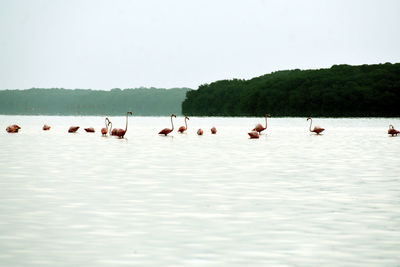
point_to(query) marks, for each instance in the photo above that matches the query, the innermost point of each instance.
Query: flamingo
(13, 128)
(183, 128)
(121, 132)
(213, 130)
(259, 128)
(392, 130)
(316, 129)
(200, 132)
(46, 127)
(90, 130)
(254, 135)
(104, 131)
(73, 129)
(166, 131)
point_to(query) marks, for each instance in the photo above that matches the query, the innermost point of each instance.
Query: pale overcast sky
(182, 43)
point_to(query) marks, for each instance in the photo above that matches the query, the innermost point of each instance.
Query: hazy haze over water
(289, 198)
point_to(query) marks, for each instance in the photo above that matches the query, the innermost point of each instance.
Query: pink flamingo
(316, 129)
(200, 132)
(73, 129)
(13, 128)
(121, 132)
(213, 130)
(46, 127)
(392, 130)
(183, 128)
(104, 130)
(166, 131)
(90, 130)
(254, 135)
(259, 128)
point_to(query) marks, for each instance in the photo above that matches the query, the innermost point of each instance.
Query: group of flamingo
(254, 134)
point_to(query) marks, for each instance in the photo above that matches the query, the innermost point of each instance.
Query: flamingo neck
(106, 120)
(310, 124)
(186, 123)
(265, 122)
(110, 127)
(126, 126)
(172, 123)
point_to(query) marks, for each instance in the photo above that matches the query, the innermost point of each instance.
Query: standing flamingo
(121, 132)
(316, 129)
(254, 135)
(200, 132)
(259, 128)
(90, 130)
(213, 130)
(104, 131)
(392, 130)
(46, 127)
(73, 129)
(13, 128)
(183, 128)
(166, 131)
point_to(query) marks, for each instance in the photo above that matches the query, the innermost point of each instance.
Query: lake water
(290, 198)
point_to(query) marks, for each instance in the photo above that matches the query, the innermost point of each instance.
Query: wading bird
(254, 135)
(316, 129)
(104, 130)
(166, 131)
(259, 128)
(73, 129)
(90, 130)
(121, 132)
(213, 130)
(183, 128)
(46, 127)
(392, 130)
(200, 132)
(13, 128)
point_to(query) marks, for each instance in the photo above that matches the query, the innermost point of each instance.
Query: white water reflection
(288, 198)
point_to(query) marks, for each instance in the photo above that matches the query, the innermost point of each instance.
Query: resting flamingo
(104, 130)
(392, 130)
(90, 130)
(200, 132)
(254, 135)
(46, 127)
(73, 129)
(316, 129)
(166, 131)
(259, 128)
(13, 128)
(121, 132)
(183, 128)
(213, 130)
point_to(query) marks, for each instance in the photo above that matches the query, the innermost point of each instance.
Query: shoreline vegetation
(340, 91)
(87, 102)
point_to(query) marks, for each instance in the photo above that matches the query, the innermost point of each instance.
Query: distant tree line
(340, 91)
(55, 101)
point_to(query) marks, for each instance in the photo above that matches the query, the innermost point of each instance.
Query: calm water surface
(289, 198)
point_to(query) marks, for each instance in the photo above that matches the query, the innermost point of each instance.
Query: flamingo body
(104, 131)
(254, 135)
(90, 130)
(392, 131)
(259, 128)
(166, 131)
(213, 130)
(13, 128)
(73, 129)
(46, 127)
(114, 131)
(200, 132)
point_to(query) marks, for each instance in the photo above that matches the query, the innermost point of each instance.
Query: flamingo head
(186, 117)
(129, 112)
(173, 115)
(309, 118)
(391, 126)
(267, 115)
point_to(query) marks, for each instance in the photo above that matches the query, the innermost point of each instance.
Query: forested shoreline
(56, 101)
(340, 91)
